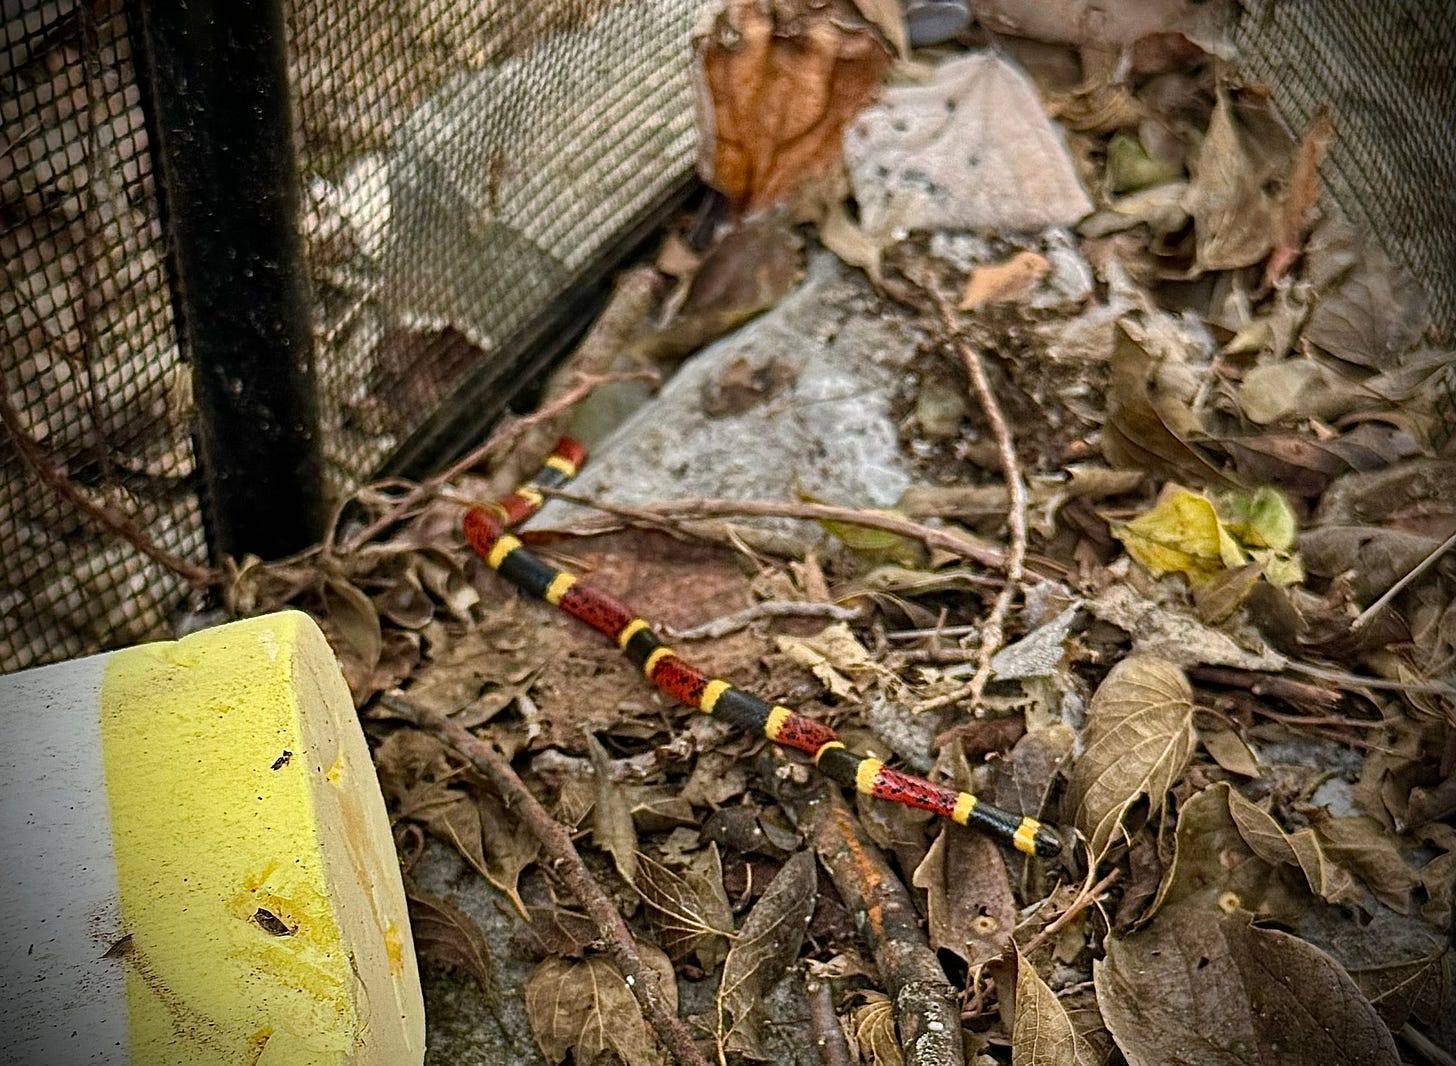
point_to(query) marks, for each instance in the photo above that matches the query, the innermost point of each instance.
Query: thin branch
(1084, 899)
(993, 630)
(1425, 564)
(1299, 693)
(1375, 684)
(959, 544)
(556, 842)
(824, 1024)
(1427, 1048)
(107, 517)
(504, 435)
(884, 913)
(732, 623)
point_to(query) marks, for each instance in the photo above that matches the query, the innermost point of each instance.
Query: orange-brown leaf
(780, 87)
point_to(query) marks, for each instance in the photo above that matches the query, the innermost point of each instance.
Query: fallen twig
(1083, 900)
(504, 435)
(556, 842)
(959, 544)
(993, 629)
(1420, 568)
(1375, 684)
(34, 456)
(1299, 693)
(1426, 1047)
(925, 1003)
(732, 623)
(824, 1024)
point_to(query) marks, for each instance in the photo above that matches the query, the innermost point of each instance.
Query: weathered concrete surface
(798, 399)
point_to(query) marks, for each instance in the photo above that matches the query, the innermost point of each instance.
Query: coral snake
(486, 530)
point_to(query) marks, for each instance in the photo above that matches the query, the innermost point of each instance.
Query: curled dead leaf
(445, 934)
(768, 941)
(779, 91)
(1137, 740)
(1208, 991)
(971, 910)
(1042, 1032)
(584, 1008)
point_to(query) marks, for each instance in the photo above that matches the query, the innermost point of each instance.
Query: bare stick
(993, 633)
(555, 841)
(925, 1003)
(824, 1024)
(732, 623)
(956, 543)
(1428, 1048)
(1375, 684)
(1299, 693)
(1084, 899)
(107, 517)
(1425, 564)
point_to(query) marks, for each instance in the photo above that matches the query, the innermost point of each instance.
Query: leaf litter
(1223, 671)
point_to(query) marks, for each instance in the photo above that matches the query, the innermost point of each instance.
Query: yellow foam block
(260, 892)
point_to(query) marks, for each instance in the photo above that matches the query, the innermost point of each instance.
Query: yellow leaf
(1181, 534)
(1260, 519)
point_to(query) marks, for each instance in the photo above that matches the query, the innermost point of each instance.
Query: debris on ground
(1095, 466)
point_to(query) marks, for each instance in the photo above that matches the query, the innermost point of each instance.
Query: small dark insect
(271, 924)
(282, 760)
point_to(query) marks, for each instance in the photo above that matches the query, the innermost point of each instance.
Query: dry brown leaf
(1367, 850)
(887, 16)
(1375, 316)
(1212, 861)
(1108, 26)
(1224, 593)
(1229, 750)
(1268, 839)
(1137, 739)
(1202, 990)
(781, 91)
(1042, 1033)
(1138, 435)
(836, 658)
(584, 1008)
(971, 911)
(874, 1031)
(1302, 196)
(1234, 215)
(445, 934)
(1009, 282)
(611, 816)
(512, 848)
(768, 942)
(1402, 964)
(690, 910)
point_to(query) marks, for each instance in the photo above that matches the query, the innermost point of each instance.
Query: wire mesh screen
(94, 391)
(466, 162)
(1386, 70)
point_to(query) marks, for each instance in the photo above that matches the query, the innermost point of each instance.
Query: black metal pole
(217, 92)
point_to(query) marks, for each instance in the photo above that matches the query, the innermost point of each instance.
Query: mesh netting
(89, 361)
(465, 164)
(1385, 70)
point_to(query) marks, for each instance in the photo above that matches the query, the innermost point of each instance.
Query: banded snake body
(486, 528)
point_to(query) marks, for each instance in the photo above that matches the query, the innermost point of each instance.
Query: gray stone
(798, 399)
